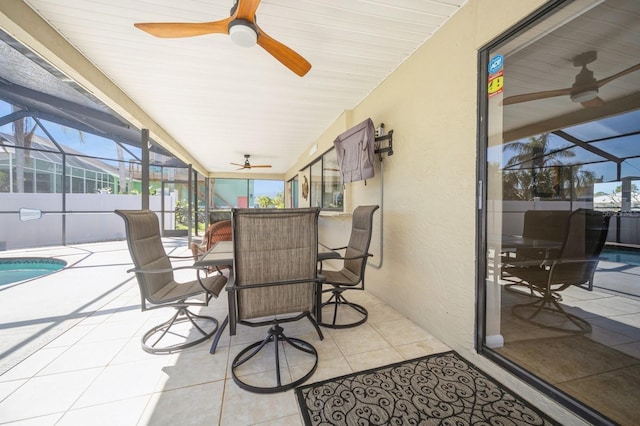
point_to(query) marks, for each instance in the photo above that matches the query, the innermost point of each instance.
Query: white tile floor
(70, 346)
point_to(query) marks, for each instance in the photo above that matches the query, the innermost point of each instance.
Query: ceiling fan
(243, 29)
(584, 89)
(248, 165)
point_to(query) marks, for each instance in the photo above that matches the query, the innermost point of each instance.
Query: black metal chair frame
(275, 335)
(337, 299)
(337, 289)
(181, 301)
(182, 315)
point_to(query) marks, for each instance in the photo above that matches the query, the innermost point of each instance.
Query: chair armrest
(231, 284)
(232, 289)
(181, 257)
(198, 269)
(561, 261)
(362, 256)
(165, 270)
(530, 262)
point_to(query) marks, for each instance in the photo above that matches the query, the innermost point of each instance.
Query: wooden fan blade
(595, 102)
(609, 79)
(260, 166)
(535, 96)
(236, 164)
(284, 54)
(184, 29)
(247, 9)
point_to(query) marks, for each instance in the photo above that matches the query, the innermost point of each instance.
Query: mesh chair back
(146, 249)
(584, 239)
(550, 225)
(273, 245)
(361, 229)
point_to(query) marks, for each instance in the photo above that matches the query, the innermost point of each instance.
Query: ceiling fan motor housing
(585, 87)
(243, 33)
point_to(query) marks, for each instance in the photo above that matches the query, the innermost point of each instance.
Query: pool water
(628, 256)
(23, 268)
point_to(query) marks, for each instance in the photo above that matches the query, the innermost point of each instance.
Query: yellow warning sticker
(496, 84)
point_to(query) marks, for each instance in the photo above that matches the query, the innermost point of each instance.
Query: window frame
(323, 184)
(249, 183)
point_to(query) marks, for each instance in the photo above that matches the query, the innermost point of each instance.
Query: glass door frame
(578, 408)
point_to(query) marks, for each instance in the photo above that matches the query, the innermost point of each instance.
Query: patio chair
(158, 288)
(273, 281)
(575, 265)
(351, 275)
(218, 231)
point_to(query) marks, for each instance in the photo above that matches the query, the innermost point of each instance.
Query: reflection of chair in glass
(158, 288)
(351, 276)
(273, 281)
(547, 225)
(575, 265)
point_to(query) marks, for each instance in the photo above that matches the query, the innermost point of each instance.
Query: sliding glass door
(560, 205)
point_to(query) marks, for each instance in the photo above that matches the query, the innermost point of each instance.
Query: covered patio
(180, 115)
(70, 351)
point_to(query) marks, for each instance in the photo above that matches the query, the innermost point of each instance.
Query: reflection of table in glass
(499, 245)
(517, 241)
(503, 244)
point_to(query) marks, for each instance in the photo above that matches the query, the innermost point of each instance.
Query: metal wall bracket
(388, 149)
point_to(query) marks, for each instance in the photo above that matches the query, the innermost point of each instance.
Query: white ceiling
(221, 101)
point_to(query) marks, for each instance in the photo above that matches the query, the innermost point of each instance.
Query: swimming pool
(629, 256)
(23, 268)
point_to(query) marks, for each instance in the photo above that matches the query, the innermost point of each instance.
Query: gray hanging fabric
(355, 150)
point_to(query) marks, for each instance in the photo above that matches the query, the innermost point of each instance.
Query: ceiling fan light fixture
(584, 96)
(243, 33)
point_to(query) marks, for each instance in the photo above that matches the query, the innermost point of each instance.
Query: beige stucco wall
(429, 208)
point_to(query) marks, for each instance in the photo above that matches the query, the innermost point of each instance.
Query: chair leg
(511, 287)
(182, 315)
(275, 336)
(316, 326)
(549, 303)
(216, 338)
(337, 300)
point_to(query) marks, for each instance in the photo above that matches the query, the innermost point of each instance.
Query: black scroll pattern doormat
(438, 389)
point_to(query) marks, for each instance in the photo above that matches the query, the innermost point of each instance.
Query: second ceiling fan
(242, 28)
(248, 166)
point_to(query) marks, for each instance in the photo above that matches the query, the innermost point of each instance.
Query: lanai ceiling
(221, 101)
